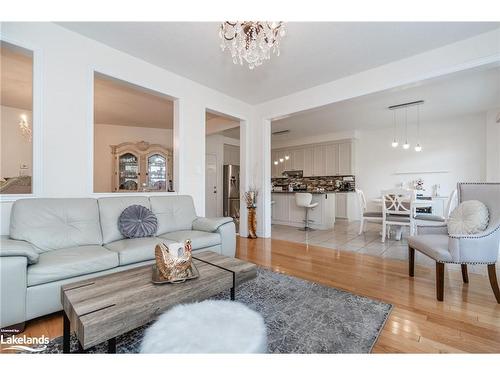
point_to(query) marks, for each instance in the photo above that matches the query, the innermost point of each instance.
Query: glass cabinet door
(157, 172)
(129, 172)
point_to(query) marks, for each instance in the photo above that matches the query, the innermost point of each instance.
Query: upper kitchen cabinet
(308, 161)
(345, 158)
(332, 159)
(297, 159)
(323, 159)
(319, 160)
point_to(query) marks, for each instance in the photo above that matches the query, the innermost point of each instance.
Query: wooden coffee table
(102, 308)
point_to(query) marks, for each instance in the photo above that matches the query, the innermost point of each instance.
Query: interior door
(211, 185)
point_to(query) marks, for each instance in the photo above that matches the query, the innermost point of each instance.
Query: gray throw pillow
(137, 221)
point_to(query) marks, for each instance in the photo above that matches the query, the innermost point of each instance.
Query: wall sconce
(24, 127)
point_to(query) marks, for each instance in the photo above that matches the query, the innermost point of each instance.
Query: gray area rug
(301, 317)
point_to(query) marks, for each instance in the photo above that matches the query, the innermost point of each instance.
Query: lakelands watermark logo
(24, 343)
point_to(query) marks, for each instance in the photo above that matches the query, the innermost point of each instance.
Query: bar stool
(304, 200)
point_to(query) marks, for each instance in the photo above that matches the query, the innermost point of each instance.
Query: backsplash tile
(328, 183)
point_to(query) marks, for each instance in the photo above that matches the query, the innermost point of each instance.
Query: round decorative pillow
(469, 217)
(137, 221)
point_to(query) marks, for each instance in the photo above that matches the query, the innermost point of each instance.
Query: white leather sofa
(53, 242)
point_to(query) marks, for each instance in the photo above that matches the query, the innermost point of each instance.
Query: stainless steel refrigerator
(231, 193)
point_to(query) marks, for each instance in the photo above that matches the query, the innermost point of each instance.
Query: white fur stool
(207, 327)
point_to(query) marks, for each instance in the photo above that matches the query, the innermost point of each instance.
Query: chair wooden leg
(465, 275)
(439, 281)
(384, 233)
(493, 281)
(411, 261)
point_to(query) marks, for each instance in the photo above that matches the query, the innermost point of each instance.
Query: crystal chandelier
(251, 41)
(24, 127)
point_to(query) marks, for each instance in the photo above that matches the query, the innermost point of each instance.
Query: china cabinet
(141, 166)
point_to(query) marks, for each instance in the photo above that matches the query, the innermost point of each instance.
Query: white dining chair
(426, 220)
(397, 209)
(366, 216)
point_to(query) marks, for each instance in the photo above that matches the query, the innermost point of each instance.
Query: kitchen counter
(286, 212)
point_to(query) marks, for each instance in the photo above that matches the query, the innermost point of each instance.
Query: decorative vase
(252, 223)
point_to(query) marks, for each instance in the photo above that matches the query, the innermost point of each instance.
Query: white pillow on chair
(469, 217)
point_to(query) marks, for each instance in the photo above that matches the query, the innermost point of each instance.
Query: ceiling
(16, 72)
(454, 95)
(312, 53)
(120, 103)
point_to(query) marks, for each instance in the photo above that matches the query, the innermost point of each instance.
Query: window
(133, 138)
(16, 119)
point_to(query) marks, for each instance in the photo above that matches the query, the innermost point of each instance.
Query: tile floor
(345, 237)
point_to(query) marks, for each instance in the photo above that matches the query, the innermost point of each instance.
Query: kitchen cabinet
(332, 159)
(319, 161)
(345, 158)
(322, 159)
(297, 159)
(286, 212)
(347, 206)
(308, 161)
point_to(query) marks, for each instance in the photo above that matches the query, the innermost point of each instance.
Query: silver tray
(192, 274)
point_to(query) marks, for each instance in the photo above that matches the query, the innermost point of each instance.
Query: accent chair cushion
(469, 217)
(436, 218)
(137, 221)
(434, 246)
(199, 239)
(71, 262)
(134, 250)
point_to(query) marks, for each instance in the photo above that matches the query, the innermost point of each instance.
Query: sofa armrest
(13, 288)
(481, 247)
(432, 229)
(210, 224)
(15, 248)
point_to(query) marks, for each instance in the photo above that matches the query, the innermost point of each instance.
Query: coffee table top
(104, 307)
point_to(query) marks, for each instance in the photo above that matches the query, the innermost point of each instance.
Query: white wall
(454, 146)
(64, 64)
(493, 146)
(106, 135)
(16, 150)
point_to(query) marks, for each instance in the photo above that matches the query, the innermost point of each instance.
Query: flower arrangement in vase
(250, 198)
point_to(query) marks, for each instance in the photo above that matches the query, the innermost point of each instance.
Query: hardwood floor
(467, 321)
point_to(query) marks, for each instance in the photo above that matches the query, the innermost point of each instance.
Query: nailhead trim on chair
(474, 237)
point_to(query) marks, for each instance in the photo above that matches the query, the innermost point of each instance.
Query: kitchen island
(286, 212)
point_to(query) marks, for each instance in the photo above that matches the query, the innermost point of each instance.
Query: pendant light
(406, 145)
(418, 148)
(395, 142)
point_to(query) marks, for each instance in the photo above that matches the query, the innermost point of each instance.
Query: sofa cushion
(74, 261)
(133, 250)
(110, 209)
(198, 238)
(174, 212)
(56, 223)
